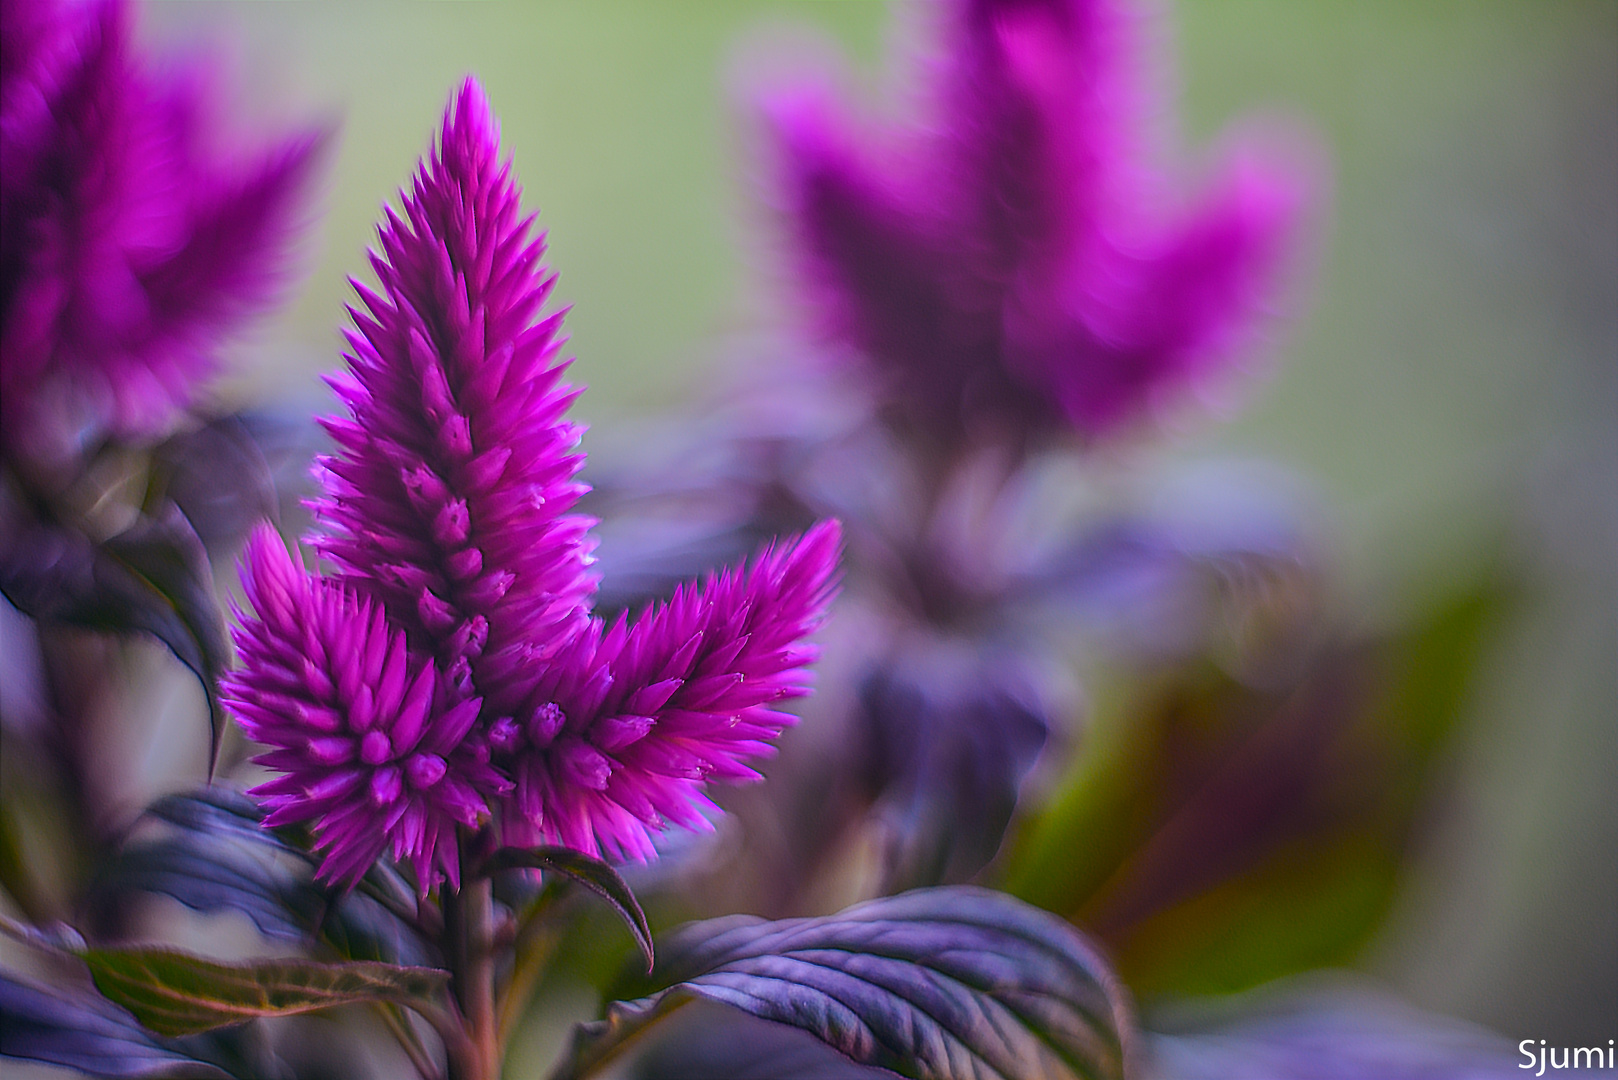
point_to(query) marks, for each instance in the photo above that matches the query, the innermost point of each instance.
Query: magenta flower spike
(446, 517)
(448, 501)
(370, 749)
(1012, 264)
(617, 736)
(127, 250)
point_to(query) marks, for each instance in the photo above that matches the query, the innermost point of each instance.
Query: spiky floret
(371, 748)
(445, 513)
(448, 499)
(616, 739)
(1013, 264)
(127, 249)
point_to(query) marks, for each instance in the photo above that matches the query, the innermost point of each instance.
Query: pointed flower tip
(1248, 234)
(469, 121)
(812, 129)
(1278, 175)
(304, 157)
(784, 67)
(268, 565)
(798, 110)
(827, 534)
(821, 550)
(472, 101)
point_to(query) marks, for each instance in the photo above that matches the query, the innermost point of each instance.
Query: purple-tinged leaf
(220, 478)
(216, 808)
(215, 878)
(716, 1040)
(216, 856)
(153, 578)
(165, 553)
(949, 735)
(940, 983)
(1330, 1033)
(1220, 553)
(88, 1034)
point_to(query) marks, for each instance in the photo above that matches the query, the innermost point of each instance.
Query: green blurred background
(1449, 385)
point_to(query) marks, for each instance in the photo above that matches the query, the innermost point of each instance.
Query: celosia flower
(372, 750)
(449, 500)
(1010, 265)
(127, 251)
(447, 508)
(616, 735)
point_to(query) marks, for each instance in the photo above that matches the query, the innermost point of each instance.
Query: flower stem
(469, 935)
(536, 941)
(399, 1027)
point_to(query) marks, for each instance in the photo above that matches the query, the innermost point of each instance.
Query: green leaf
(593, 874)
(175, 993)
(1218, 835)
(954, 983)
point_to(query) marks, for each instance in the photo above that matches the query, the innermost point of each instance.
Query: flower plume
(372, 752)
(446, 517)
(617, 738)
(449, 498)
(128, 250)
(1010, 264)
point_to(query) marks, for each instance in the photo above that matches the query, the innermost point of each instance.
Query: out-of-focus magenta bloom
(1013, 263)
(372, 750)
(446, 507)
(127, 249)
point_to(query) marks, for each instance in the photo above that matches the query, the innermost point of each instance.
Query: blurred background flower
(133, 242)
(1010, 260)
